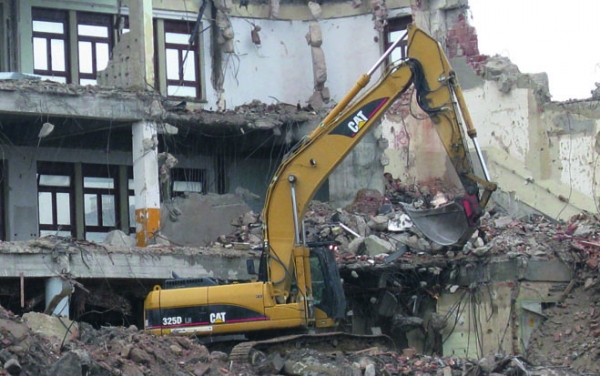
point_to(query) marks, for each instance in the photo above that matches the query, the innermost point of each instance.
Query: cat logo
(217, 318)
(352, 124)
(357, 122)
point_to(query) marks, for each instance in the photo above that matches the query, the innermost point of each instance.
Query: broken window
(181, 60)
(50, 47)
(187, 180)
(94, 43)
(55, 199)
(395, 29)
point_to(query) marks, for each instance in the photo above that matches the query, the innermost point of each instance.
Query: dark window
(94, 43)
(395, 29)
(50, 44)
(181, 62)
(187, 180)
(55, 199)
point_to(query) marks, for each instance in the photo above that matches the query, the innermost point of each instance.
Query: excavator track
(253, 351)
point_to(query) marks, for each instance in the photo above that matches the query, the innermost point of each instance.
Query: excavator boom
(299, 286)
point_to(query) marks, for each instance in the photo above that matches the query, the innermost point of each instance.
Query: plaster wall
(502, 120)
(543, 152)
(280, 69)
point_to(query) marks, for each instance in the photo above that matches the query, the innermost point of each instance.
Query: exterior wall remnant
(314, 37)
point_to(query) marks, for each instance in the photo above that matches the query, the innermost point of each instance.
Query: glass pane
(177, 38)
(396, 55)
(85, 57)
(173, 64)
(93, 31)
(394, 35)
(187, 186)
(97, 237)
(131, 211)
(181, 91)
(49, 27)
(63, 207)
(54, 78)
(102, 55)
(87, 81)
(45, 208)
(55, 180)
(189, 67)
(108, 210)
(318, 281)
(90, 202)
(40, 58)
(64, 234)
(93, 182)
(58, 55)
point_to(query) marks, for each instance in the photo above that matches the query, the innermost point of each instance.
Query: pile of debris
(37, 344)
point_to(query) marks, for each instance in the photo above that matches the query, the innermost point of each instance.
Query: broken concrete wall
(198, 220)
(280, 68)
(544, 152)
(540, 153)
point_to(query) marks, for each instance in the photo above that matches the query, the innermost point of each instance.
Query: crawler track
(251, 351)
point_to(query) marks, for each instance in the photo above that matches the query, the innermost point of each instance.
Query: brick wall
(462, 41)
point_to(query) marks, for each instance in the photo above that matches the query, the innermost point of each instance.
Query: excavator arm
(302, 173)
(299, 285)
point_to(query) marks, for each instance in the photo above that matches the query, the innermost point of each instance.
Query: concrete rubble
(35, 343)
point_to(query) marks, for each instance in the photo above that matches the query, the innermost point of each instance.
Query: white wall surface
(281, 67)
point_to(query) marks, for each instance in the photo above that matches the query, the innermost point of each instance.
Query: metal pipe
(386, 54)
(456, 102)
(292, 180)
(486, 173)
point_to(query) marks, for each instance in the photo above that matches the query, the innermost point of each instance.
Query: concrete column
(57, 297)
(74, 47)
(146, 184)
(22, 196)
(142, 31)
(79, 202)
(123, 199)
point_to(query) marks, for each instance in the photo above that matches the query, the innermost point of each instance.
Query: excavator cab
(328, 293)
(327, 289)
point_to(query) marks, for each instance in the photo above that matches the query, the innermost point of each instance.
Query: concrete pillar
(22, 196)
(57, 291)
(146, 184)
(142, 30)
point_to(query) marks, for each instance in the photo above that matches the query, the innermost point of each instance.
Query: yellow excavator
(298, 286)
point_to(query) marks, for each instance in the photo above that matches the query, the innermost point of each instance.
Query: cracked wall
(541, 153)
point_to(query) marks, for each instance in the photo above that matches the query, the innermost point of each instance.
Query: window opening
(181, 61)
(187, 180)
(394, 30)
(100, 198)
(50, 47)
(55, 199)
(94, 43)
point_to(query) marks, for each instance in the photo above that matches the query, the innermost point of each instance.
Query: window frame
(187, 175)
(57, 169)
(57, 16)
(103, 171)
(394, 25)
(186, 28)
(94, 19)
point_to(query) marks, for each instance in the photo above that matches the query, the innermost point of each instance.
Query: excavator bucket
(445, 225)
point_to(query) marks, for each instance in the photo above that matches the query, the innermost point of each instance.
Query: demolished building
(112, 111)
